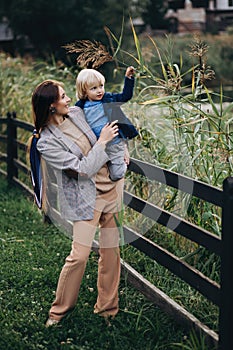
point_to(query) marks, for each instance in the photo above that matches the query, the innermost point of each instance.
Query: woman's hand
(108, 132)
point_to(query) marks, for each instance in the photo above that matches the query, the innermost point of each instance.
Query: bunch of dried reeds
(91, 54)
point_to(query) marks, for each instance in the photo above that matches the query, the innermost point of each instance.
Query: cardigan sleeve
(54, 152)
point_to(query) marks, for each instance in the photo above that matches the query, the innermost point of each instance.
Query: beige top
(102, 180)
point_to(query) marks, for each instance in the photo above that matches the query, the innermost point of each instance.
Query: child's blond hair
(85, 78)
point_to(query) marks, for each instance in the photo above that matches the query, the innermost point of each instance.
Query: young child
(102, 107)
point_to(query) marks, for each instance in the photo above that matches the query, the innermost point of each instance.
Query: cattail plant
(199, 49)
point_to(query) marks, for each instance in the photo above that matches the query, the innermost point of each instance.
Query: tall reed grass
(185, 125)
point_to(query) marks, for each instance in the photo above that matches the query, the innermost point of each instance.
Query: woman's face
(62, 104)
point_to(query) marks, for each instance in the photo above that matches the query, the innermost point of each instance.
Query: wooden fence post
(226, 306)
(12, 152)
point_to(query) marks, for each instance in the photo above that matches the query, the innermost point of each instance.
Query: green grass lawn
(32, 254)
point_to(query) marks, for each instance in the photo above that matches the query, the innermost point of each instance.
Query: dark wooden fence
(222, 246)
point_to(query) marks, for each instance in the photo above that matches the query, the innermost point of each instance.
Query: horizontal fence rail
(181, 226)
(196, 279)
(219, 294)
(183, 183)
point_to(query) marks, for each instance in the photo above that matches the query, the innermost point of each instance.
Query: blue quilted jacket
(112, 103)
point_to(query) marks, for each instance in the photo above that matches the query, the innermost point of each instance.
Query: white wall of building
(223, 5)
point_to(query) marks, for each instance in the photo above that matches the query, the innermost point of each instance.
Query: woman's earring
(52, 110)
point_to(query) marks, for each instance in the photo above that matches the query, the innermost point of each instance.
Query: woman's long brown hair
(43, 96)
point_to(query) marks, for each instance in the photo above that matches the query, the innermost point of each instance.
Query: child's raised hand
(130, 71)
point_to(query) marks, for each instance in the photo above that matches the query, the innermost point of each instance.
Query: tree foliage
(153, 14)
(51, 24)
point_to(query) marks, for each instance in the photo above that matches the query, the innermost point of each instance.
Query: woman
(87, 196)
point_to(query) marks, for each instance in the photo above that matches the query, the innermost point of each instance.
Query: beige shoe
(51, 322)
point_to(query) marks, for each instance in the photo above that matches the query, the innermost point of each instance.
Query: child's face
(95, 92)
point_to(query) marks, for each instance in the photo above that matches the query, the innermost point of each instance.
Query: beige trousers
(108, 264)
